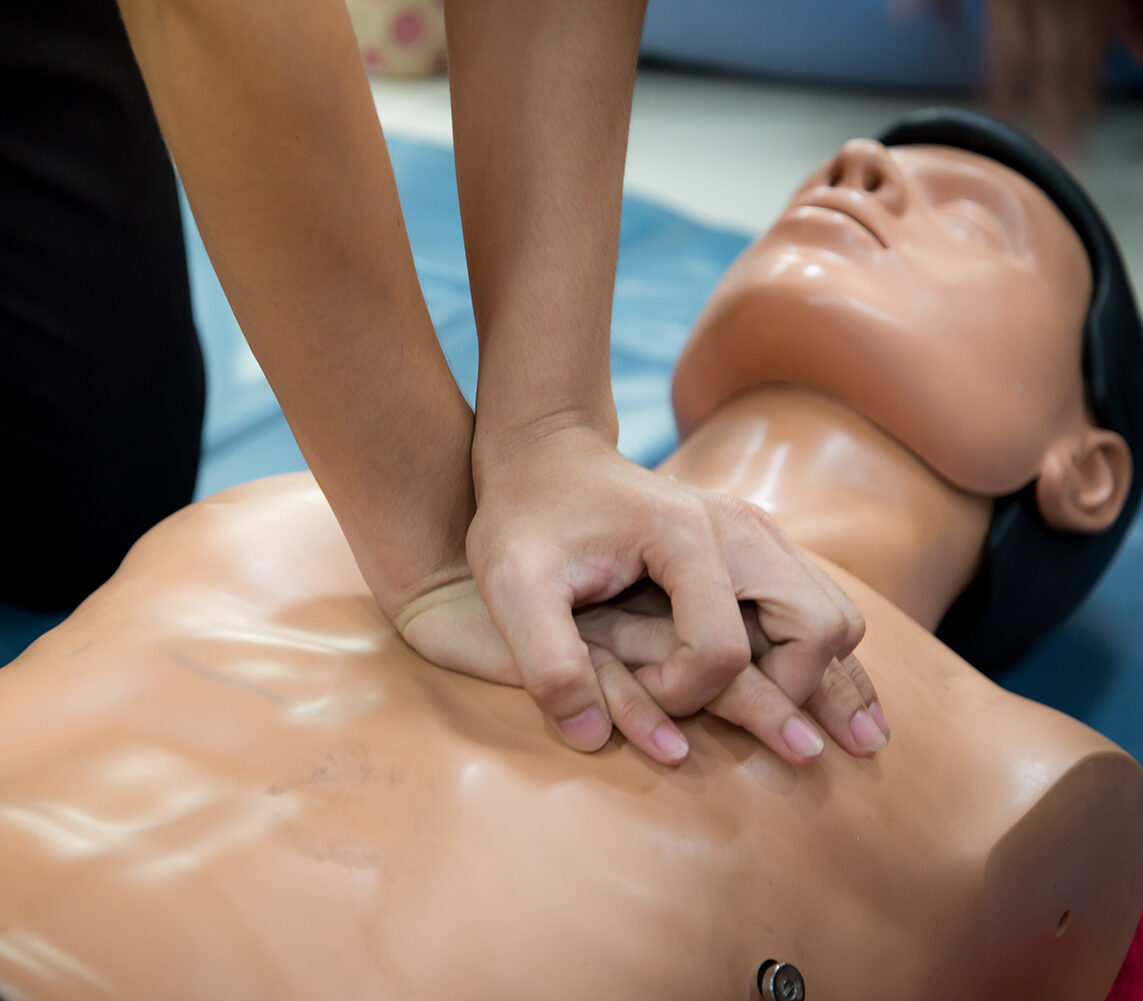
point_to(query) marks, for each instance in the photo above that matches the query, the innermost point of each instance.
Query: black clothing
(101, 373)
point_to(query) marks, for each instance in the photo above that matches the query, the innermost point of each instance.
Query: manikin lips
(845, 206)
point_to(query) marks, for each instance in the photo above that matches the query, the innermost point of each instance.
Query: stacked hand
(740, 623)
(328, 296)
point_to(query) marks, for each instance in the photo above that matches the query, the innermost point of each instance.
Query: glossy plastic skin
(937, 293)
(225, 776)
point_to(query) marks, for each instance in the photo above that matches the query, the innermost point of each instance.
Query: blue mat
(1089, 667)
(669, 265)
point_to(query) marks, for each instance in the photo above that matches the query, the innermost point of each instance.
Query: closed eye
(971, 221)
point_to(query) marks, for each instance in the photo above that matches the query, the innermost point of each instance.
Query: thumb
(535, 618)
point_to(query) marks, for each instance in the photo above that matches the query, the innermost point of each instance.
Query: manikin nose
(866, 165)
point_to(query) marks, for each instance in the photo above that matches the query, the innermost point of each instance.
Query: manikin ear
(1084, 480)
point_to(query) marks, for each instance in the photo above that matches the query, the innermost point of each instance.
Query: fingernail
(866, 732)
(801, 738)
(879, 718)
(670, 742)
(586, 731)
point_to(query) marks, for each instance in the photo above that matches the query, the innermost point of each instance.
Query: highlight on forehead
(1013, 198)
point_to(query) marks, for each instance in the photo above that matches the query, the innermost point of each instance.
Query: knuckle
(726, 656)
(837, 687)
(753, 515)
(689, 518)
(832, 630)
(861, 680)
(856, 627)
(750, 705)
(627, 708)
(556, 683)
(516, 567)
(748, 516)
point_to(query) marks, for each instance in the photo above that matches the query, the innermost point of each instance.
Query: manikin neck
(844, 489)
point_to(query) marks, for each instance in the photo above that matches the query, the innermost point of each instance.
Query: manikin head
(953, 286)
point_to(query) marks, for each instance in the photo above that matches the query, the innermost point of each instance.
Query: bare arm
(541, 96)
(269, 117)
(541, 104)
(267, 113)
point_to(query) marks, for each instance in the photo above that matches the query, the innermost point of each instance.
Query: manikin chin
(227, 777)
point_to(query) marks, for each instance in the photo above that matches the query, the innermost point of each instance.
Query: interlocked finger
(714, 646)
(753, 702)
(841, 709)
(634, 639)
(635, 714)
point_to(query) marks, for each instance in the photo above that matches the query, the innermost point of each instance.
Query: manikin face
(935, 291)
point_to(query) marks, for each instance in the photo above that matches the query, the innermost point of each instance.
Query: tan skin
(940, 296)
(882, 244)
(226, 776)
(268, 115)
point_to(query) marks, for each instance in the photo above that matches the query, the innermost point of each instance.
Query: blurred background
(736, 99)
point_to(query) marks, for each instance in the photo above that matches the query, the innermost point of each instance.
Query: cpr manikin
(225, 776)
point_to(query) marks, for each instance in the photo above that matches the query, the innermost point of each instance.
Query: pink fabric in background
(1129, 983)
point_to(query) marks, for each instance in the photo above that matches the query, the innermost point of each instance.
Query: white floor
(731, 151)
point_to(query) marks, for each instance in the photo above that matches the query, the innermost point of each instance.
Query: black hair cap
(1032, 576)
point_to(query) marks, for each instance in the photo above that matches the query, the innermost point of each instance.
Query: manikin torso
(227, 777)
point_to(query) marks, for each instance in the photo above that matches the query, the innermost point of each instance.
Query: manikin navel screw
(780, 982)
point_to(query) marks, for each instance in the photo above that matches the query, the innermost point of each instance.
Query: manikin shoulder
(226, 776)
(1050, 814)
